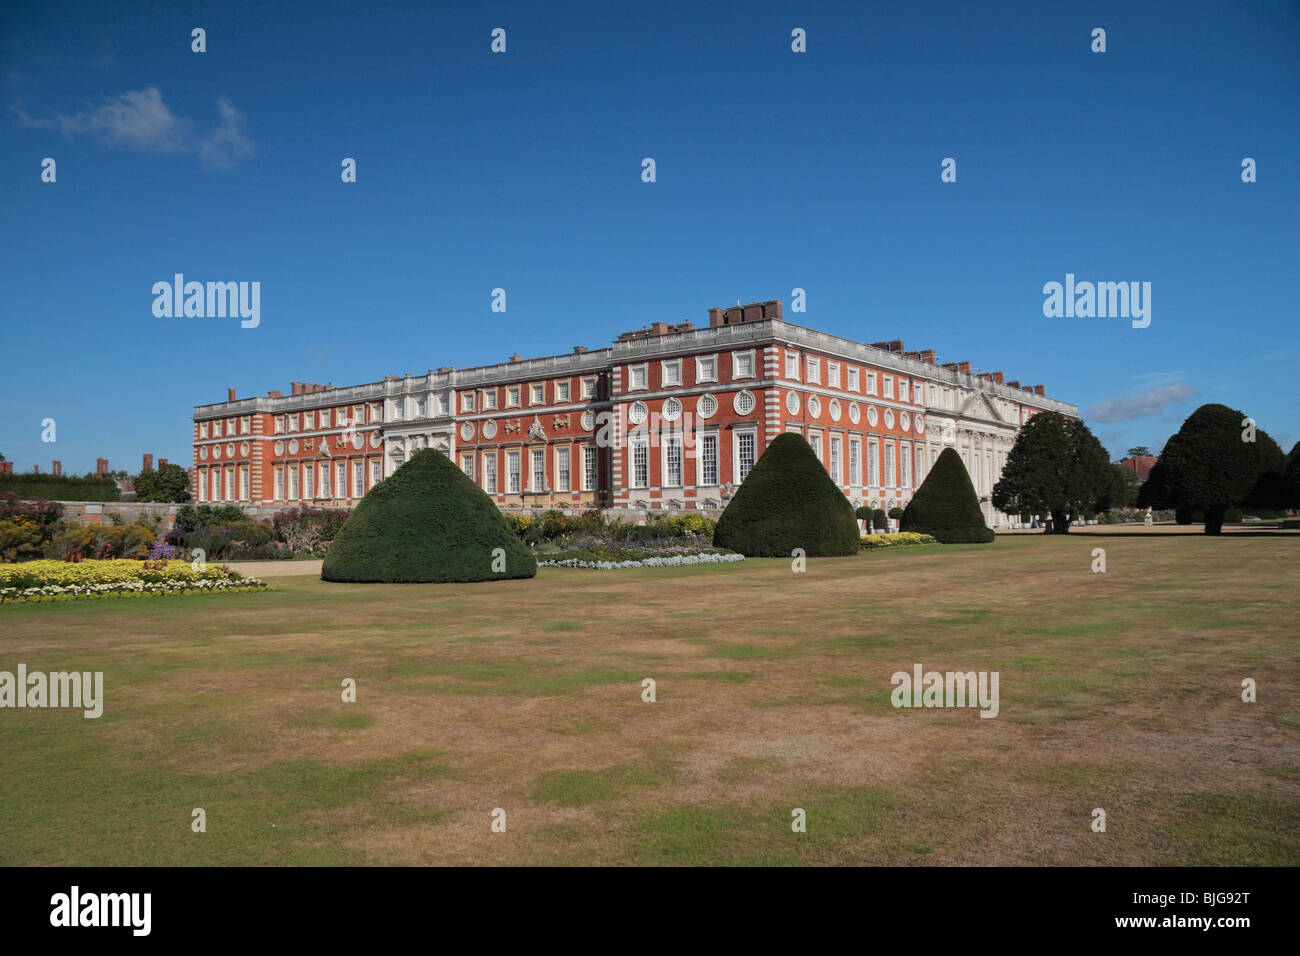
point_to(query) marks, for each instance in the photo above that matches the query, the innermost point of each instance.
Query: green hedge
(60, 487)
(946, 506)
(428, 522)
(788, 501)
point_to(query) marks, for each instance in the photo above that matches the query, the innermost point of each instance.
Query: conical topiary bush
(788, 501)
(428, 522)
(946, 505)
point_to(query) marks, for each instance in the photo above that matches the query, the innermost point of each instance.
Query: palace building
(667, 418)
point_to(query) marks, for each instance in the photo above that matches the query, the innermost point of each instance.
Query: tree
(1292, 479)
(168, 483)
(1212, 464)
(1130, 484)
(1140, 450)
(946, 506)
(1057, 467)
(427, 522)
(788, 501)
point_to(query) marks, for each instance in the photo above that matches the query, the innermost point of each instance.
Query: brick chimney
(162, 463)
(101, 467)
(715, 317)
(963, 367)
(998, 377)
(1040, 390)
(36, 469)
(1014, 384)
(515, 358)
(6, 467)
(927, 356)
(146, 463)
(56, 468)
(275, 393)
(950, 366)
(579, 349)
(230, 394)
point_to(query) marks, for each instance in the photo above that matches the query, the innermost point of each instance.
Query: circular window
(834, 409)
(855, 413)
(243, 449)
(279, 448)
(672, 410)
(203, 453)
(706, 406)
(904, 420)
(467, 431)
(814, 406)
(920, 424)
(293, 446)
(871, 416)
(889, 418)
(230, 450)
(743, 402)
(588, 422)
(792, 403)
(216, 451)
(490, 428)
(357, 441)
(637, 413)
(374, 439)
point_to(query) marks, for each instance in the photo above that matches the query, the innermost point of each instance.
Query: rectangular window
(203, 429)
(341, 473)
(855, 463)
(245, 425)
(376, 413)
(792, 366)
(636, 377)
(745, 454)
(889, 464)
(902, 390)
(538, 394)
(293, 482)
(742, 365)
(279, 484)
(201, 485)
(376, 471)
(216, 429)
(562, 459)
(561, 391)
(708, 459)
(467, 402)
(640, 463)
(706, 369)
(816, 442)
(490, 473)
(836, 476)
(512, 472)
(832, 375)
(889, 386)
(589, 468)
(308, 482)
(673, 461)
(325, 480)
(853, 379)
(813, 369)
(871, 383)
(873, 464)
(588, 388)
(420, 408)
(920, 466)
(358, 479)
(904, 466)
(490, 400)
(671, 372)
(467, 466)
(539, 470)
(932, 392)
(512, 397)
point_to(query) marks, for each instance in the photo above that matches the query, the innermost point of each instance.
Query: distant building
(692, 410)
(1140, 465)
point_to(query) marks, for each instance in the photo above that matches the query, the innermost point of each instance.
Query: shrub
(788, 501)
(20, 539)
(193, 517)
(308, 530)
(896, 514)
(74, 540)
(863, 514)
(60, 487)
(428, 522)
(879, 520)
(945, 505)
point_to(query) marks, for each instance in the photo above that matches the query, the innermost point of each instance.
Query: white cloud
(140, 120)
(1150, 402)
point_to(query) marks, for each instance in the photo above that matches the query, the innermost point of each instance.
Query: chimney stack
(36, 469)
(1040, 390)
(998, 377)
(963, 367)
(162, 463)
(230, 394)
(1014, 384)
(927, 356)
(101, 467)
(273, 393)
(56, 468)
(6, 467)
(147, 463)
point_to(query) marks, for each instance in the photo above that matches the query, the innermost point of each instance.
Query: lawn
(1119, 690)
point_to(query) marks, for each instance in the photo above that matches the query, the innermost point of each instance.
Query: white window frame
(905, 466)
(888, 455)
(279, 483)
(563, 391)
(514, 395)
(589, 387)
(670, 373)
(534, 398)
(341, 479)
(489, 399)
(835, 458)
(887, 384)
(514, 475)
(563, 465)
(871, 383)
(667, 444)
(855, 462)
(638, 460)
(538, 455)
(358, 478)
(490, 472)
(737, 435)
(873, 464)
(813, 370)
(467, 465)
(736, 357)
(644, 370)
(701, 375)
(853, 381)
(324, 480)
(832, 374)
(792, 366)
(590, 467)
(467, 402)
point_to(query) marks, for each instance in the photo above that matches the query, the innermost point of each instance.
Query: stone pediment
(980, 406)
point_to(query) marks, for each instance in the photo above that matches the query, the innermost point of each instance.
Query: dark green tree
(427, 522)
(168, 483)
(1057, 467)
(946, 506)
(1216, 461)
(1142, 450)
(788, 501)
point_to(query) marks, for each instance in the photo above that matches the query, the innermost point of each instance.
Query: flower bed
(870, 542)
(68, 581)
(607, 559)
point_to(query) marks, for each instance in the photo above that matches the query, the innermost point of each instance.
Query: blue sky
(522, 170)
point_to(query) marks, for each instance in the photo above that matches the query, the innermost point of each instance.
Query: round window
(706, 406)
(588, 422)
(489, 429)
(637, 413)
(889, 418)
(203, 453)
(872, 418)
(904, 420)
(920, 424)
(834, 409)
(467, 431)
(814, 406)
(672, 410)
(792, 403)
(743, 402)
(855, 413)
(279, 448)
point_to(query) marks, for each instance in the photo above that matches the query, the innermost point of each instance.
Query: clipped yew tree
(788, 501)
(945, 505)
(428, 522)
